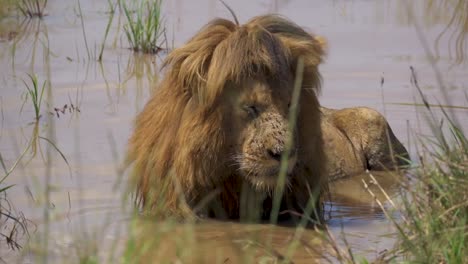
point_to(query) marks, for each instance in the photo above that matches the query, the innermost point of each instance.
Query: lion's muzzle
(265, 150)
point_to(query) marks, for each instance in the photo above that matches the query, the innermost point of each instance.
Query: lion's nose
(278, 152)
(275, 154)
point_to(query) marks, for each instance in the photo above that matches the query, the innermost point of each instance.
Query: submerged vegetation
(144, 28)
(13, 225)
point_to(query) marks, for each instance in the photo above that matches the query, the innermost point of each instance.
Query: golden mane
(178, 148)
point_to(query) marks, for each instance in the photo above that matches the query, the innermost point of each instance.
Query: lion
(358, 139)
(210, 139)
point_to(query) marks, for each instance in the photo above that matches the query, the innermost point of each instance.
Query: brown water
(368, 40)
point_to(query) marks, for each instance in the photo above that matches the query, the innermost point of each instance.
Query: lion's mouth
(266, 178)
(266, 182)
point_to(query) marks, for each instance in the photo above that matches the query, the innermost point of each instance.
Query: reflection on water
(222, 242)
(352, 207)
(368, 39)
(450, 15)
(143, 68)
(447, 17)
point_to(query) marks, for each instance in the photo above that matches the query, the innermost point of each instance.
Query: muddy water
(368, 41)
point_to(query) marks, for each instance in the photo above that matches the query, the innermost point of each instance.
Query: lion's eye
(252, 110)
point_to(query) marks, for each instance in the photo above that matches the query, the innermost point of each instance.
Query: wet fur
(358, 139)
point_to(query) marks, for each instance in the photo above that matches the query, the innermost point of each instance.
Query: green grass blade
(6, 188)
(59, 151)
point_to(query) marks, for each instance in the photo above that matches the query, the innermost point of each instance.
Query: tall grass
(144, 29)
(292, 119)
(32, 8)
(436, 211)
(435, 208)
(433, 227)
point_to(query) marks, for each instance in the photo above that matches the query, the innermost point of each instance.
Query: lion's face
(258, 130)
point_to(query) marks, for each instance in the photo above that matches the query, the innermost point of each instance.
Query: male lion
(211, 138)
(217, 123)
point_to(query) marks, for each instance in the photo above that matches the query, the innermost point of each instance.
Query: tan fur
(218, 121)
(358, 139)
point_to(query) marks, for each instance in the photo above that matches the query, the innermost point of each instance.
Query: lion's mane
(178, 148)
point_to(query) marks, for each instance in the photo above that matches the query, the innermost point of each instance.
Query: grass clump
(35, 92)
(32, 8)
(435, 225)
(144, 27)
